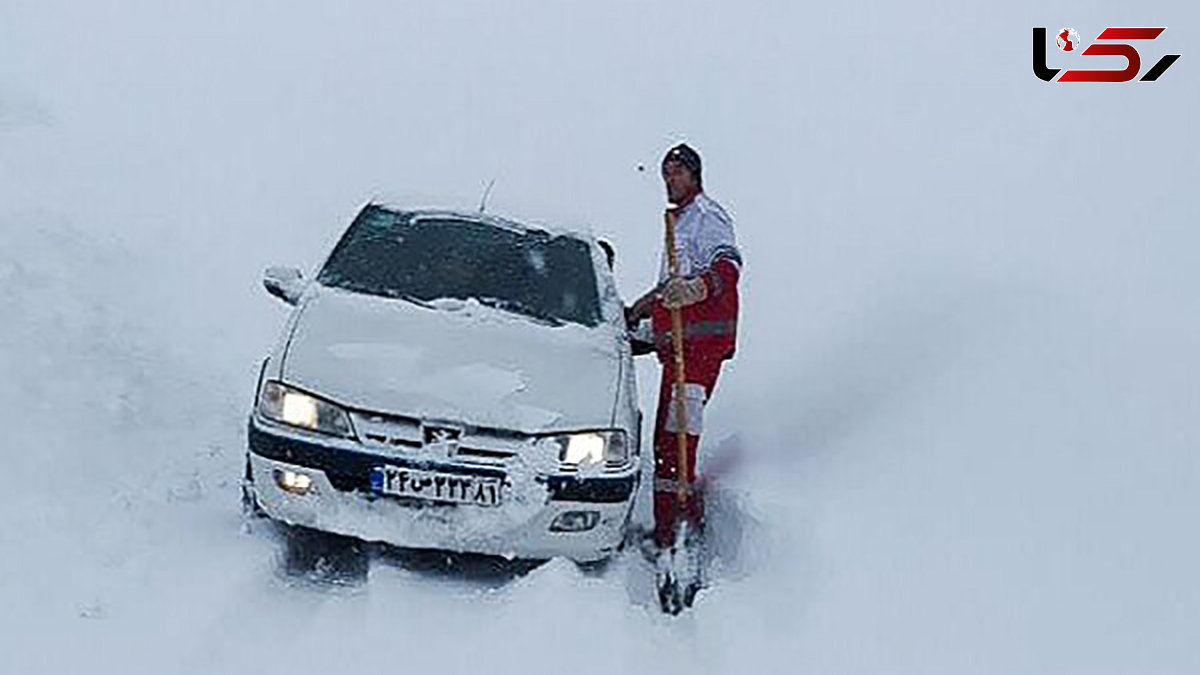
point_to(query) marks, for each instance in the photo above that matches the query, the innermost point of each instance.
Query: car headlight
(591, 448)
(281, 403)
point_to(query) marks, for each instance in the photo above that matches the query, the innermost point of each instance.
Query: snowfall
(966, 391)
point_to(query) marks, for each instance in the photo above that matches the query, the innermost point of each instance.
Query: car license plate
(437, 486)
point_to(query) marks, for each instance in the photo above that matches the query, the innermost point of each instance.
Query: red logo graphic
(1068, 40)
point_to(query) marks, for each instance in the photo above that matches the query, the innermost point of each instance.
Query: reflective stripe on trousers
(701, 374)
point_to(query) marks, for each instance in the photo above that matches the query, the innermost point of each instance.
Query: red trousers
(700, 370)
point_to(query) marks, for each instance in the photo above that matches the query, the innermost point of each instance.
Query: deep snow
(966, 391)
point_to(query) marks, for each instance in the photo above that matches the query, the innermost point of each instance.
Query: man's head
(681, 173)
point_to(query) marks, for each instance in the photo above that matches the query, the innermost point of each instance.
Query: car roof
(485, 218)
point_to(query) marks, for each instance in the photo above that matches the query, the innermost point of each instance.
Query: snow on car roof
(489, 219)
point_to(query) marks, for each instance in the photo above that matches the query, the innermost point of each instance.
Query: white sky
(970, 311)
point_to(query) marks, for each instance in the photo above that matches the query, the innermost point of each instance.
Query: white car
(451, 381)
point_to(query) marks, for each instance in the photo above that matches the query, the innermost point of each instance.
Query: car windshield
(427, 257)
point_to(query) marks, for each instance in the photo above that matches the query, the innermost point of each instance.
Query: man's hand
(632, 318)
(684, 291)
(640, 309)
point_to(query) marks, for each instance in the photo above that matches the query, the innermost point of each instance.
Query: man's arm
(721, 275)
(641, 307)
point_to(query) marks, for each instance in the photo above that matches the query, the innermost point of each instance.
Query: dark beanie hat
(687, 156)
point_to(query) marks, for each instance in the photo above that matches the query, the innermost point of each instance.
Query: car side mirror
(285, 283)
(609, 253)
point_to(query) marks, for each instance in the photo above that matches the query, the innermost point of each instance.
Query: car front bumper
(340, 500)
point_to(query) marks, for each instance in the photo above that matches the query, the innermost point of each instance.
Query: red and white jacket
(705, 243)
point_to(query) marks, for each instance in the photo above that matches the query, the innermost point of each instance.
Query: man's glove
(684, 291)
(632, 318)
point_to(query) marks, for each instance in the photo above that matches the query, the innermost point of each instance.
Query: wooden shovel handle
(683, 488)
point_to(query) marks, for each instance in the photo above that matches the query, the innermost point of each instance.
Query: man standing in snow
(707, 296)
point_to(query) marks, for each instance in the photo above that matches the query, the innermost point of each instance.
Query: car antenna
(486, 191)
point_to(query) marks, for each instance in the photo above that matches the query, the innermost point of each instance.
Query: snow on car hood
(461, 361)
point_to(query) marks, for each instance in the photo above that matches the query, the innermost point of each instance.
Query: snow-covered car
(451, 381)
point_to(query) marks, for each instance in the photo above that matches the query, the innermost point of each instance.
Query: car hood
(458, 362)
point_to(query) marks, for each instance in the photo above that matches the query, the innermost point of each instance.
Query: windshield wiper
(414, 300)
(420, 302)
(518, 307)
(348, 285)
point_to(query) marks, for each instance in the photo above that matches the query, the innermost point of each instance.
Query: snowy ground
(966, 390)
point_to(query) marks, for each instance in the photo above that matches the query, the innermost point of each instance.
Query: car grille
(405, 437)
